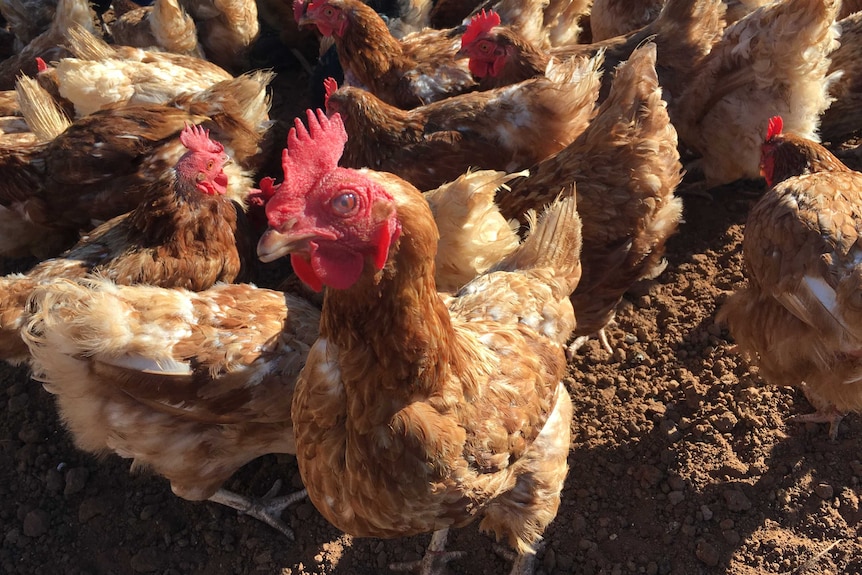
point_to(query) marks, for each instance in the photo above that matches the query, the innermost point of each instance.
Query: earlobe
(387, 235)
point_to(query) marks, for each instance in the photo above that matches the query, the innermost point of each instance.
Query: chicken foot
(267, 508)
(435, 559)
(521, 564)
(829, 415)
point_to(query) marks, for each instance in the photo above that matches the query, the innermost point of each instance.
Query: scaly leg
(267, 509)
(435, 559)
(828, 415)
(521, 564)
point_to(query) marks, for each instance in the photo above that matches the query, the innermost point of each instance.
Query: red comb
(41, 66)
(330, 86)
(312, 153)
(479, 24)
(776, 124)
(197, 139)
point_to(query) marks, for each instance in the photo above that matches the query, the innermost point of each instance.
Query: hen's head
(330, 220)
(329, 16)
(203, 165)
(486, 50)
(786, 155)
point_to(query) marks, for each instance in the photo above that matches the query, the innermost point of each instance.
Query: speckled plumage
(798, 317)
(509, 128)
(413, 415)
(626, 167)
(191, 385)
(104, 164)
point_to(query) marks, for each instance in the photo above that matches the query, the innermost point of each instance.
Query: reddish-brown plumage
(798, 317)
(183, 234)
(683, 33)
(414, 415)
(106, 163)
(506, 129)
(625, 167)
(190, 385)
(416, 70)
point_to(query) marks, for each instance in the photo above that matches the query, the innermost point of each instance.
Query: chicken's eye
(344, 204)
(329, 11)
(210, 164)
(484, 47)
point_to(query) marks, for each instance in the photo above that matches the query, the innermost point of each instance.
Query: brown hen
(190, 385)
(412, 415)
(104, 164)
(183, 235)
(505, 129)
(798, 317)
(626, 167)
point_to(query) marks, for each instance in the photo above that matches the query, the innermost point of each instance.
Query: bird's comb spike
(197, 139)
(776, 124)
(329, 87)
(313, 152)
(41, 66)
(479, 24)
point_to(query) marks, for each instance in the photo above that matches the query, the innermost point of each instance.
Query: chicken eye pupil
(344, 203)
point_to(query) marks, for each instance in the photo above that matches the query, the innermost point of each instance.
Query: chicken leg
(829, 415)
(435, 559)
(267, 509)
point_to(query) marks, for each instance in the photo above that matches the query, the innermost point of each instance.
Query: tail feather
(39, 109)
(14, 291)
(473, 233)
(553, 242)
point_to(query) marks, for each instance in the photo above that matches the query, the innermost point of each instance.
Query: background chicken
(191, 385)
(101, 75)
(49, 44)
(610, 18)
(842, 118)
(773, 60)
(419, 69)
(626, 167)
(684, 32)
(164, 25)
(504, 129)
(184, 235)
(797, 317)
(429, 421)
(103, 165)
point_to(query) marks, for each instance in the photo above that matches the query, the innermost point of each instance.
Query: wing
(802, 246)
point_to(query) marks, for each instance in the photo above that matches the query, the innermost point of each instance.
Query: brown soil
(681, 462)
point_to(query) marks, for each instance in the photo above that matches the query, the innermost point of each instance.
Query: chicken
(103, 164)
(506, 129)
(611, 18)
(184, 235)
(797, 317)
(27, 19)
(773, 60)
(190, 385)
(684, 33)
(226, 30)
(842, 118)
(473, 234)
(626, 167)
(412, 415)
(101, 75)
(416, 70)
(164, 24)
(49, 44)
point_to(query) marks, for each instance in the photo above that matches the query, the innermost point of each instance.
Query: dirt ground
(681, 463)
